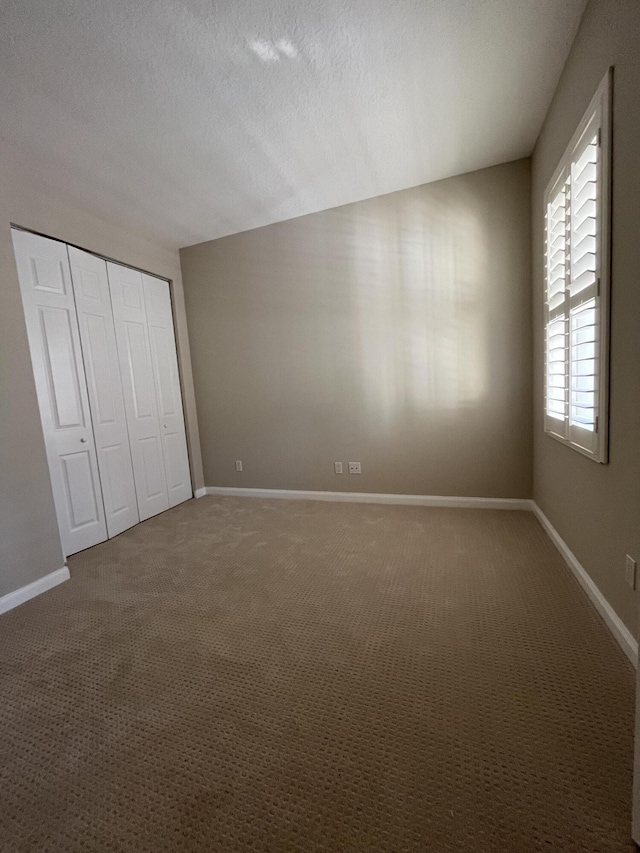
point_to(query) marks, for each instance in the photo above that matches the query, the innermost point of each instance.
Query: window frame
(597, 115)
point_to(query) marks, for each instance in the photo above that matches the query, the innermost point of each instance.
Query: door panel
(152, 466)
(136, 370)
(164, 357)
(97, 333)
(177, 461)
(115, 468)
(80, 489)
(61, 366)
(140, 369)
(48, 274)
(50, 314)
(96, 346)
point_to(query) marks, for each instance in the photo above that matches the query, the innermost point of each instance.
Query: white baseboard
(374, 498)
(623, 635)
(200, 493)
(19, 596)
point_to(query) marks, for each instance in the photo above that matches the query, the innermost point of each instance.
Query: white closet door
(50, 313)
(136, 369)
(157, 300)
(97, 335)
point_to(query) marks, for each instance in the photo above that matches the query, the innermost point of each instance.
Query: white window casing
(577, 206)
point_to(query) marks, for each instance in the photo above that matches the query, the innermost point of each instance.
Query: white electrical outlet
(337, 467)
(630, 571)
(355, 468)
(238, 464)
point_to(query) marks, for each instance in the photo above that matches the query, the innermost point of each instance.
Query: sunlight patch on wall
(421, 314)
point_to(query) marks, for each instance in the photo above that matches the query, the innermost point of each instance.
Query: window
(577, 204)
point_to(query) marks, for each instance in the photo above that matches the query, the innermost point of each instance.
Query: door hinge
(598, 286)
(595, 428)
(599, 137)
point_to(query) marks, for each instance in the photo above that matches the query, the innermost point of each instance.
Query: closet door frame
(17, 228)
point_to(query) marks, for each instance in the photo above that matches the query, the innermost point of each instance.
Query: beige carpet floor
(246, 675)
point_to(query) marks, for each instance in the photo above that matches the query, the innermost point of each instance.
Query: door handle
(83, 440)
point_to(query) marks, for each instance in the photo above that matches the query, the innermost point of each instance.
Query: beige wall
(395, 332)
(596, 508)
(29, 539)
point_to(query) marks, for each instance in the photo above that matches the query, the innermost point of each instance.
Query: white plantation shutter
(576, 293)
(584, 361)
(556, 325)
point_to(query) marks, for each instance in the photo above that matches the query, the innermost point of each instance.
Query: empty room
(320, 426)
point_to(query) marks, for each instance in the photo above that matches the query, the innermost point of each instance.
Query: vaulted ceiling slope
(192, 119)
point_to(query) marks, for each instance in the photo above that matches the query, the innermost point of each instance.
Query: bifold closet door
(52, 327)
(138, 385)
(102, 369)
(157, 300)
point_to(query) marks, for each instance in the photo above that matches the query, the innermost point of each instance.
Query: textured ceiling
(192, 119)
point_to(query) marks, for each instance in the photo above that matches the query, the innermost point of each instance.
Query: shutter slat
(587, 317)
(585, 399)
(588, 277)
(587, 171)
(587, 209)
(582, 193)
(580, 352)
(587, 367)
(583, 263)
(584, 245)
(586, 228)
(589, 155)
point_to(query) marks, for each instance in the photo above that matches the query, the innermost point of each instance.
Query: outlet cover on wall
(337, 467)
(355, 468)
(630, 571)
(238, 464)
